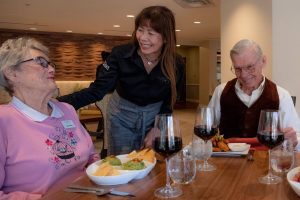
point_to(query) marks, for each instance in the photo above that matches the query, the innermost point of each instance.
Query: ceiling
(99, 16)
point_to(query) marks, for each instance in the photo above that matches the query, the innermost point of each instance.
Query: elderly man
(238, 102)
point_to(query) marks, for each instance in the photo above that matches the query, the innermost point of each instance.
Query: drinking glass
(283, 157)
(202, 152)
(205, 128)
(182, 167)
(167, 141)
(270, 134)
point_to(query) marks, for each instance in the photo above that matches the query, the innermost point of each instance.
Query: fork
(97, 191)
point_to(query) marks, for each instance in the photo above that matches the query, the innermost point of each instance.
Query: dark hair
(104, 55)
(162, 20)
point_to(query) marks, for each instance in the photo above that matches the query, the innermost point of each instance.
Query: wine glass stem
(168, 185)
(270, 172)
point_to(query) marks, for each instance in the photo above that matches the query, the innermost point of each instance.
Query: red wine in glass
(205, 132)
(166, 147)
(270, 140)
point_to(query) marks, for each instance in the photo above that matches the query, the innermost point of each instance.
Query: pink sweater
(39, 156)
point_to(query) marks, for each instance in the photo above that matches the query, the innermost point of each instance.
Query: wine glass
(167, 141)
(205, 128)
(269, 133)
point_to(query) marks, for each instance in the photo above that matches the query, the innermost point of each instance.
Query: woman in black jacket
(146, 75)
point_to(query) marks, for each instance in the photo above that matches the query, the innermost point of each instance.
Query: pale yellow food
(105, 169)
(145, 154)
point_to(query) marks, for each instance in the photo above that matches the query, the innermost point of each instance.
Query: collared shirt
(34, 114)
(124, 70)
(291, 118)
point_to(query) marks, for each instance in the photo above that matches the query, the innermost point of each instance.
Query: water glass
(182, 167)
(283, 157)
(202, 151)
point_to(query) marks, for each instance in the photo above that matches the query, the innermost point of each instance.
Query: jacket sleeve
(105, 82)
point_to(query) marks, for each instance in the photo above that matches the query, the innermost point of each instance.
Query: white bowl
(125, 176)
(294, 184)
(237, 146)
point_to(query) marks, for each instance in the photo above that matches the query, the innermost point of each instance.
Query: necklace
(148, 60)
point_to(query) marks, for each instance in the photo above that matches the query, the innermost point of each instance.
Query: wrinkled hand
(290, 133)
(149, 138)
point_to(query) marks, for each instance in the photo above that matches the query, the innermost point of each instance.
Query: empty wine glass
(270, 134)
(205, 128)
(167, 141)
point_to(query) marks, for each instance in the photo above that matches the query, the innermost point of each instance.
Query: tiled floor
(186, 117)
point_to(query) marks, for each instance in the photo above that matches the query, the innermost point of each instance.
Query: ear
(264, 60)
(10, 74)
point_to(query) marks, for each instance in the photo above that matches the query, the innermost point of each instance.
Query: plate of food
(222, 147)
(293, 177)
(121, 169)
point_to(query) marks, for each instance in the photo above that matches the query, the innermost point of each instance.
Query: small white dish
(294, 184)
(237, 146)
(125, 176)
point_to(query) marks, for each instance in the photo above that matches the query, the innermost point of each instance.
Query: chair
(102, 105)
(99, 132)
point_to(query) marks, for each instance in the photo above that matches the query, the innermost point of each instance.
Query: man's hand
(290, 133)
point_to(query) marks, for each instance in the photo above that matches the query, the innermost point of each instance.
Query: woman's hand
(290, 133)
(149, 138)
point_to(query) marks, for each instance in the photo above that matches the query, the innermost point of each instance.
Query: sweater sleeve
(13, 195)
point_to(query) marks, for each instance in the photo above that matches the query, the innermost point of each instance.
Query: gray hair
(14, 51)
(244, 44)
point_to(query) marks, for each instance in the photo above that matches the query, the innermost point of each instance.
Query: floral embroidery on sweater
(62, 145)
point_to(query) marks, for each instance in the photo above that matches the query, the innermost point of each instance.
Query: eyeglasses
(40, 61)
(247, 69)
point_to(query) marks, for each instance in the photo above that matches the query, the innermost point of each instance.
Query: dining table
(236, 178)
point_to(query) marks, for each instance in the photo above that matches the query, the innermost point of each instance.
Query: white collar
(259, 89)
(34, 114)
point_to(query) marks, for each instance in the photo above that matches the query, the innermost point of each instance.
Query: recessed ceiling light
(116, 26)
(130, 16)
(129, 35)
(177, 45)
(177, 30)
(99, 33)
(33, 28)
(197, 22)
(69, 31)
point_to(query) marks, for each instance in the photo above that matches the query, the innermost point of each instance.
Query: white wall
(286, 46)
(251, 19)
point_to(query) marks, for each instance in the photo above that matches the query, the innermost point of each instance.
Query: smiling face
(248, 68)
(33, 78)
(149, 40)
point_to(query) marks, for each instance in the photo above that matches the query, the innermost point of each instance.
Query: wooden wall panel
(76, 55)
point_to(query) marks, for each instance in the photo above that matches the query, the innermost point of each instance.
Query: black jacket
(124, 71)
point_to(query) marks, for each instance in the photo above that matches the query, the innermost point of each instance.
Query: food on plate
(134, 164)
(296, 177)
(112, 160)
(220, 144)
(105, 169)
(145, 154)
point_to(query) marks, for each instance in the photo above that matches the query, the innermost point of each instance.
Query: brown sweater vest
(237, 120)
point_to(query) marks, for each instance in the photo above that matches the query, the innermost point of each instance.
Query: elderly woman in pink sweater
(42, 143)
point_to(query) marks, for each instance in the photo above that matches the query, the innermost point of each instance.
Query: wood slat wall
(76, 55)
